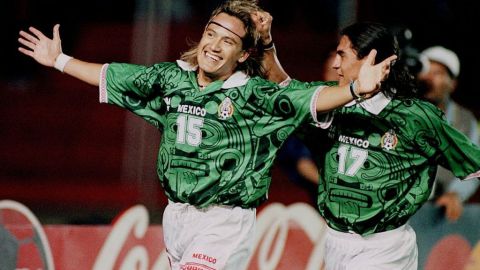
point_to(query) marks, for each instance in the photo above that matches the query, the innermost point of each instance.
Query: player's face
(330, 73)
(439, 84)
(220, 49)
(346, 63)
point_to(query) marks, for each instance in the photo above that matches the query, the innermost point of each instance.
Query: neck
(205, 79)
(202, 82)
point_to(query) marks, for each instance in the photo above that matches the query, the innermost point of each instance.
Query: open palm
(41, 48)
(370, 75)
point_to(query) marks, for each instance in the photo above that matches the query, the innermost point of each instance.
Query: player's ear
(244, 56)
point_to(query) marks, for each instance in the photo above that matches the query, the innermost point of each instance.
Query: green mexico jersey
(380, 168)
(218, 144)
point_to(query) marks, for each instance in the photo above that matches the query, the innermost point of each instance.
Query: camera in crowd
(409, 55)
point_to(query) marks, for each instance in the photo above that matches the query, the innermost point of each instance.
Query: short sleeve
(298, 91)
(120, 80)
(138, 89)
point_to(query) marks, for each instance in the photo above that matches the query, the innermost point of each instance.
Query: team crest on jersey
(225, 109)
(389, 140)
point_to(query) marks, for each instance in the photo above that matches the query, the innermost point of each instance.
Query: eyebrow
(216, 23)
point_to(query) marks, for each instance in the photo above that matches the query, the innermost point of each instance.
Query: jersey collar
(239, 78)
(373, 105)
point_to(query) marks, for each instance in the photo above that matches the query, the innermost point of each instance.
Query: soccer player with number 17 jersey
(381, 159)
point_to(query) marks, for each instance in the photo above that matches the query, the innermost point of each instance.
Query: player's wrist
(61, 61)
(269, 45)
(354, 91)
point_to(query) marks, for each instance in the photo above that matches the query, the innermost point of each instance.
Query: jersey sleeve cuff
(285, 82)
(473, 175)
(102, 87)
(323, 120)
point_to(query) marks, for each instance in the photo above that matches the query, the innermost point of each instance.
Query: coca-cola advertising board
(288, 237)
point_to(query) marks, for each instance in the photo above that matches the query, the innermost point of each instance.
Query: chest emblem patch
(225, 109)
(389, 140)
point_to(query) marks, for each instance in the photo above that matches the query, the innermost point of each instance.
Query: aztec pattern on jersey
(380, 168)
(218, 145)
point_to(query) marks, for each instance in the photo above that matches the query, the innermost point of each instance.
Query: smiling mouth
(212, 57)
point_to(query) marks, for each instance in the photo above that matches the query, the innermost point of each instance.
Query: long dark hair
(364, 37)
(241, 9)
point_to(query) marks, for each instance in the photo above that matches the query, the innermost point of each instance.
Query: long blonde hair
(241, 9)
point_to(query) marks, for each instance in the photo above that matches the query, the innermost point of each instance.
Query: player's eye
(228, 42)
(209, 34)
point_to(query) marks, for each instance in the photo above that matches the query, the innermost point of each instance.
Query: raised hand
(41, 48)
(370, 76)
(263, 23)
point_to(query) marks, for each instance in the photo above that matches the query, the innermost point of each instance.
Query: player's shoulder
(260, 81)
(419, 112)
(172, 66)
(156, 65)
(156, 68)
(294, 83)
(260, 86)
(417, 107)
(168, 71)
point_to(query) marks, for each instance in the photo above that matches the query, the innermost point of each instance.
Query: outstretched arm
(367, 84)
(48, 51)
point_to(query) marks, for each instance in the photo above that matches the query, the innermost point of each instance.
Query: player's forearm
(85, 71)
(273, 69)
(333, 97)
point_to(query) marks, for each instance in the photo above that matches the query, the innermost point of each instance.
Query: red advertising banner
(288, 237)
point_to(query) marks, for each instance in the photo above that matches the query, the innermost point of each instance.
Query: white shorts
(395, 249)
(212, 238)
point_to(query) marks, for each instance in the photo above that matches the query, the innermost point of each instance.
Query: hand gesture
(41, 48)
(263, 24)
(370, 76)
